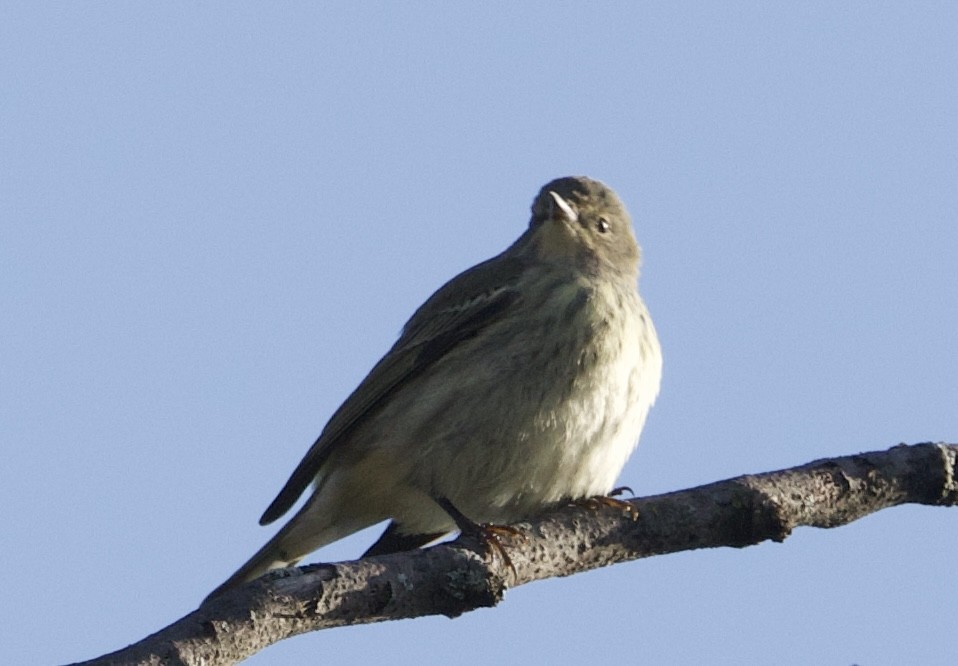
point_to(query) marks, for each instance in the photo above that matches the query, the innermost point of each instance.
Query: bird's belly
(503, 438)
(570, 448)
(555, 435)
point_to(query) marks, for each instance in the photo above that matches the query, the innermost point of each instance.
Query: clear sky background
(214, 219)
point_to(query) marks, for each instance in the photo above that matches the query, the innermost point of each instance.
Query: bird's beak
(567, 211)
(558, 239)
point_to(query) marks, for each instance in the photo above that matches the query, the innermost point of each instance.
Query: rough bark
(452, 579)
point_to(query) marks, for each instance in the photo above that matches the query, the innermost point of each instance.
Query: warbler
(522, 382)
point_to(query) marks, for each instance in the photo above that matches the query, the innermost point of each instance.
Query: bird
(523, 382)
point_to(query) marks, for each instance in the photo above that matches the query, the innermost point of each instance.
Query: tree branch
(451, 579)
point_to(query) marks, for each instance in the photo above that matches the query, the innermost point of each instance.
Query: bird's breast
(568, 404)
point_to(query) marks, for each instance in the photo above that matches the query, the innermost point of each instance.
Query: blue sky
(216, 218)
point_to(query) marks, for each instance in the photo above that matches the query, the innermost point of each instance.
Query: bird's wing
(458, 311)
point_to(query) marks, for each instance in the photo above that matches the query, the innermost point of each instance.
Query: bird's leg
(489, 535)
(610, 500)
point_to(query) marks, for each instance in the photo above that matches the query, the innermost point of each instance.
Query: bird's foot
(600, 501)
(492, 536)
(489, 536)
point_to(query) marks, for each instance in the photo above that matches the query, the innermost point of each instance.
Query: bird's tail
(303, 534)
(271, 556)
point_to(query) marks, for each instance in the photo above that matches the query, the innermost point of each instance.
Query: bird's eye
(603, 225)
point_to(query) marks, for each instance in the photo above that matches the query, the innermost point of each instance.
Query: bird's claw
(601, 501)
(492, 536)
